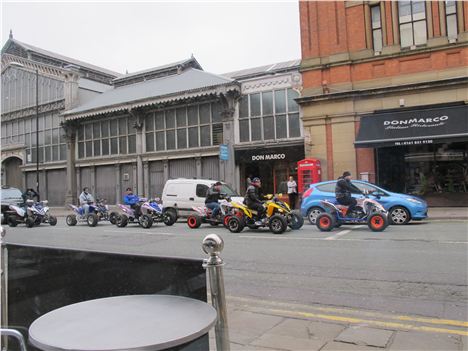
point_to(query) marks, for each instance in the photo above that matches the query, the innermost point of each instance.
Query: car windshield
(11, 193)
(226, 189)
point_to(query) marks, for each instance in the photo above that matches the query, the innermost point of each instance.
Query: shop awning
(414, 127)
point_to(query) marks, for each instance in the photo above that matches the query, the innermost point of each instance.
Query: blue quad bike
(367, 211)
(98, 211)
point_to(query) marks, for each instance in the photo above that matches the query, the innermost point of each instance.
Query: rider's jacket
(252, 196)
(212, 195)
(86, 198)
(30, 195)
(344, 188)
(131, 199)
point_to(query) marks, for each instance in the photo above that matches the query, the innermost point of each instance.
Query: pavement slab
(365, 336)
(288, 342)
(245, 327)
(341, 346)
(417, 341)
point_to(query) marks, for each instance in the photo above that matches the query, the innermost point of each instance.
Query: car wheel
(313, 213)
(399, 215)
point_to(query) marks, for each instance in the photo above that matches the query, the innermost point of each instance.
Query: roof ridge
(64, 58)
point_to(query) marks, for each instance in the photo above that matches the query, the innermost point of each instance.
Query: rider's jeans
(214, 206)
(86, 209)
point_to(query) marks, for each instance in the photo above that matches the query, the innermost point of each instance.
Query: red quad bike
(204, 215)
(367, 211)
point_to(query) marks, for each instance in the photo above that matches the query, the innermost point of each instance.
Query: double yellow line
(342, 315)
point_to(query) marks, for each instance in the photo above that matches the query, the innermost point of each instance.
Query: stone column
(118, 186)
(166, 170)
(70, 136)
(70, 88)
(230, 109)
(198, 164)
(146, 179)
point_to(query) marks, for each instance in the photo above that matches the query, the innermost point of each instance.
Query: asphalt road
(417, 269)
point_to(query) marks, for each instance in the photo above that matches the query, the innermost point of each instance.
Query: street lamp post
(37, 132)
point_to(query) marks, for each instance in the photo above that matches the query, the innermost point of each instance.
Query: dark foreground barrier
(40, 279)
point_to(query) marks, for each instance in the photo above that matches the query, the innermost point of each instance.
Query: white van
(182, 194)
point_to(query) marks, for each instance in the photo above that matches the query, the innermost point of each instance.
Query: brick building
(385, 92)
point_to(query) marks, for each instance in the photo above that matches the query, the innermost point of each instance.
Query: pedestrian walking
(292, 192)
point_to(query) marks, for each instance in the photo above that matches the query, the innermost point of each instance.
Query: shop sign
(415, 123)
(268, 157)
(223, 152)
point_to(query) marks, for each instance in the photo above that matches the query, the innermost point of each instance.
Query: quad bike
(34, 213)
(367, 211)
(97, 212)
(143, 219)
(278, 217)
(205, 215)
(159, 214)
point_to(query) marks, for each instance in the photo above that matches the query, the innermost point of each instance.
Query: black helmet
(256, 180)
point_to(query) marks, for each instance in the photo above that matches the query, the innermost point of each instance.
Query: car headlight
(414, 201)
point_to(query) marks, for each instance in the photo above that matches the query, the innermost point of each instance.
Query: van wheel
(194, 221)
(169, 218)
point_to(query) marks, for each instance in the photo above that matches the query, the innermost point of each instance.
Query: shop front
(273, 164)
(421, 151)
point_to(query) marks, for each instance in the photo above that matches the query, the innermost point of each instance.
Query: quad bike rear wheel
(146, 221)
(325, 222)
(121, 221)
(113, 217)
(12, 222)
(71, 220)
(278, 224)
(92, 220)
(235, 224)
(377, 222)
(194, 221)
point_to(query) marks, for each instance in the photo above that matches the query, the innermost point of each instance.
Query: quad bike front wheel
(71, 220)
(377, 222)
(146, 221)
(194, 221)
(113, 217)
(295, 220)
(325, 222)
(277, 224)
(29, 222)
(52, 220)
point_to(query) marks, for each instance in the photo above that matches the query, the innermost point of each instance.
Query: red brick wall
(436, 19)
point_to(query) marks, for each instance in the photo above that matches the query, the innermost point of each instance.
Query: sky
(121, 36)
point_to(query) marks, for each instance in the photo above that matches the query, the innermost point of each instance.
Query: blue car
(401, 207)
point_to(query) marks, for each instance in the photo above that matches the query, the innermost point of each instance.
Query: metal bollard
(213, 245)
(15, 334)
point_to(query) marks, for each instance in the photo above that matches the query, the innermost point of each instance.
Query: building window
(109, 137)
(412, 19)
(270, 115)
(184, 127)
(451, 18)
(376, 28)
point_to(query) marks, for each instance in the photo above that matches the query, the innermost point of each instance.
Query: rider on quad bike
(133, 201)
(253, 200)
(212, 198)
(343, 191)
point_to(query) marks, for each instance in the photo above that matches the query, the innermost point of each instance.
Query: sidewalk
(261, 325)
(434, 212)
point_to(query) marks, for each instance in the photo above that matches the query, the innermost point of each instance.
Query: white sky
(132, 36)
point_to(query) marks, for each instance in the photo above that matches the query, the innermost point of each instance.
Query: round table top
(133, 322)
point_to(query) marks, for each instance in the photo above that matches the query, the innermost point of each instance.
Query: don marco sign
(285, 153)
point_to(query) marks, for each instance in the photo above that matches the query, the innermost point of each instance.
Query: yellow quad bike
(278, 217)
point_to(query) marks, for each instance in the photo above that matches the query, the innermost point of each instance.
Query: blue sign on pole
(223, 152)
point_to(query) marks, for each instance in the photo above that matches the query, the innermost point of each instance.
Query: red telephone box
(309, 171)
